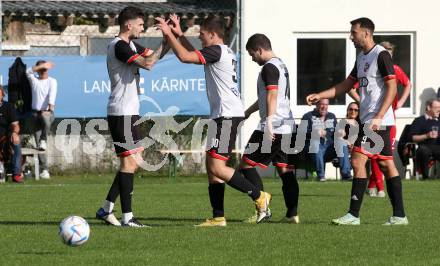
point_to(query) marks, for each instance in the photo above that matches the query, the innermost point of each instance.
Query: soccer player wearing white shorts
(275, 128)
(377, 87)
(124, 58)
(226, 110)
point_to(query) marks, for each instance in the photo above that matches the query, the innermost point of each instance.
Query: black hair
(364, 22)
(39, 62)
(258, 40)
(353, 103)
(129, 13)
(214, 24)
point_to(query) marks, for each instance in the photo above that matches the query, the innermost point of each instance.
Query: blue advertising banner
(84, 87)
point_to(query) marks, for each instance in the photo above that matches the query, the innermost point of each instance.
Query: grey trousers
(42, 123)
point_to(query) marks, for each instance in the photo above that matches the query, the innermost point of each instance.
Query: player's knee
(213, 170)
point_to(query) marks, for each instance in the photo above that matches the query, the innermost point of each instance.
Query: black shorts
(221, 139)
(125, 134)
(254, 155)
(366, 145)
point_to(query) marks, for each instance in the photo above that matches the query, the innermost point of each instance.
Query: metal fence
(45, 35)
(37, 28)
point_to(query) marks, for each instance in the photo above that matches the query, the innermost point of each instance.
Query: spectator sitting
(350, 122)
(9, 139)
(320, 140)
(424, 131)
(44, 90)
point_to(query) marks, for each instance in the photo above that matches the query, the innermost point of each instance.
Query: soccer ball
(74, 231)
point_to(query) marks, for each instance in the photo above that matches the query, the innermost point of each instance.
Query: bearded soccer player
(124, 58)
(377, 87)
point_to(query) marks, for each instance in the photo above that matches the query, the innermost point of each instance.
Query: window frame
(340, 110)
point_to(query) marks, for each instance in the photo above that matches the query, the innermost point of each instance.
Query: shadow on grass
(171, 219)
(41, 253)
(320, 195)
(89, 221)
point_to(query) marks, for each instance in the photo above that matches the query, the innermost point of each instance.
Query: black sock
(126, 190)
(394, 188)
(238, 182)
(113, 193)
(291, 193)
(252, 175)
(358, 188)
(216, 196)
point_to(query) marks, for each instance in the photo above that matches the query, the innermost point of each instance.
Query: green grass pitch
(30, 214)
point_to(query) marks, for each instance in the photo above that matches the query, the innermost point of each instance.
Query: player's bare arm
(331, 92)
(390, 94)
(252, 109)
(148, 62)
(180, 51)
(177, 30)
(404, 96)
(354, 95)
(47, 65)
(271, 102)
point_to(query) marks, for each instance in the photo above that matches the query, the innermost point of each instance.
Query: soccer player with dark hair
(375, 184)
(377, 87)
(124, 58)
(276, 125)
(226, 107)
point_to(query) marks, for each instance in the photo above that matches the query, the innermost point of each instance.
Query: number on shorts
(364, 139)
(215, 143)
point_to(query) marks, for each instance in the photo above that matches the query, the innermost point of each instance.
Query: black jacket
(19, 89)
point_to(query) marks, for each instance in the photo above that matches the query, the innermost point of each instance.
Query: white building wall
(280, 19)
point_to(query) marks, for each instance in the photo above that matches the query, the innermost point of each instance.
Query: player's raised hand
(313, 98)
(48, 65)
(162, 25)
(175, 25)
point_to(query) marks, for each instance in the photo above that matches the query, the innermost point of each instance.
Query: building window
(325, 59)
(401, 57)
(320, 64)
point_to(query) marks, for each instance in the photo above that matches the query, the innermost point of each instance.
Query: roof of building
(105, 8)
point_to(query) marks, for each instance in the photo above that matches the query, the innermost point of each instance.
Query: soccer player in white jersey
(124, 58)
(275, 128)
(226, 110)
(377, 87)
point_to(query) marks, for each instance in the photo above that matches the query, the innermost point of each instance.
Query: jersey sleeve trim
(271, 87)
(201, 58)
(389, 77)
(132, 58)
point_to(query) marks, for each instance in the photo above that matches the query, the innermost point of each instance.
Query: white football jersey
(220, 65)
(372, 70)
(275, 76)
(124, 76)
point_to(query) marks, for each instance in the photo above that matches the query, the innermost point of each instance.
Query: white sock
(108, 206)
(127, 217)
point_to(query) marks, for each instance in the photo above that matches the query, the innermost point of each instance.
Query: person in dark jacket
(424, 132)
(9, 139)
(19, 89)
